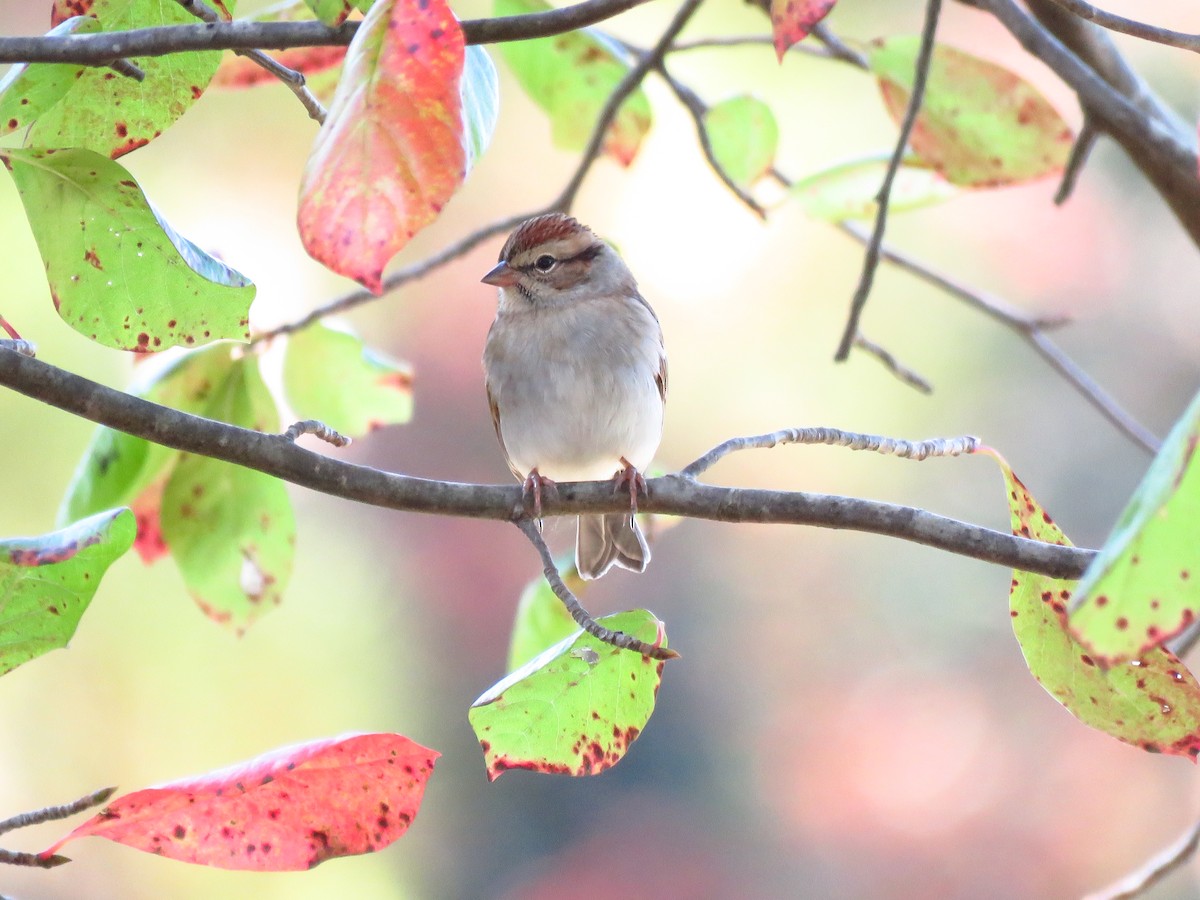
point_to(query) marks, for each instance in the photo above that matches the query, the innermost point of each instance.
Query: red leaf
(289, 809)
(792, 20)
(391, 152)
(240, 72)
(147, 507)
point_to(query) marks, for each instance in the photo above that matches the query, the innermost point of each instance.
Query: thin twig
(915, 450)
(871, 258)
(54, 813)
(1131, 27)
(1154, 869)
(32, 860)
(293, 79)
(319, 430)
(750, 40)
(128, 69)
(697, 108)
(581, 616)
(673, 495)
(838, 48)
(1033, 330)
(893, 365)
(633, 78)
(1080, 151)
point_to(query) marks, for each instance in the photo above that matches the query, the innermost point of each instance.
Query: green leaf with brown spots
(329, 375)
(848, 190)
(30, 89)
(230, 529)
(114, 114)
(1152, 701)
(573, 709)
(1144, 587)
(980, 125)
(118, 469)
(744, 136)
(117, 272)
(47, 582)
(571, 76)
(541, 618)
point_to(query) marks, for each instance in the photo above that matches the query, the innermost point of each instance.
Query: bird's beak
(503, 275)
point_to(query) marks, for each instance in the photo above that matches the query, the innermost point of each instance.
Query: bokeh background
(851, 718)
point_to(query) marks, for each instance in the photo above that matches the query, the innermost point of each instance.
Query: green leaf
(231, 529)
(47, 582)
(29, 90)
(575, 708)
(571, 77)
(1144, 587)
(848, 190)
(1152, 702)
(393, 150)
(329, 375)
(980, 125)
(744, 137)
(331, 12)
(480, 92)
(542, 620)
(117, 273)
(113, 114)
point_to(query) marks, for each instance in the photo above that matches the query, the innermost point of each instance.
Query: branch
(871, 258)
(1154, 869)
(673, 494)
(106, 48)
(48, 814)
(1131, 27)
(581, 616)
(1033, 330)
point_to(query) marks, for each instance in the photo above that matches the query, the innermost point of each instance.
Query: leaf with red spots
(980, 125)
(335, 12)
(287, 810)
(118, 469)
(329, 375)
(571, 76)
(113, 114)
(1144, 587)
(398, 140)
(848, 190)
(743, 135)
(29, 90)
(573, 709)
(230, 529)
(793, 20)
(240, 72)
(541, 619)
(117, 272)
(47, 582)
(1152, 702)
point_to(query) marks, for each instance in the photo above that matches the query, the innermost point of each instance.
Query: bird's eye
(545, 262)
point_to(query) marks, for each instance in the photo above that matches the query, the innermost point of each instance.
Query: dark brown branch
(581, 616)
(933, 9)
(1162, 864)
(672, 494)
(889, 361)
(1131, 26)
(106, 48)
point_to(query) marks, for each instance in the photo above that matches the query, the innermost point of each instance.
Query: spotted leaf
(114, 114)
(1144, 587)
(394, 148)
(573, 709)
(1152, 701)
(571, 76)
(47, 582)
(29, 90)
(230, 529)
(980, 125)
(117, 271)
(287, 810)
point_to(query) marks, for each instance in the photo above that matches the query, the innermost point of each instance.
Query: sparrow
(576, 377)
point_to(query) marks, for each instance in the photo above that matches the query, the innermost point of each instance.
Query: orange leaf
(392, 150)
(289, 809)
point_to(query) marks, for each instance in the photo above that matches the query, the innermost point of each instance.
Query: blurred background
(851, 718)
